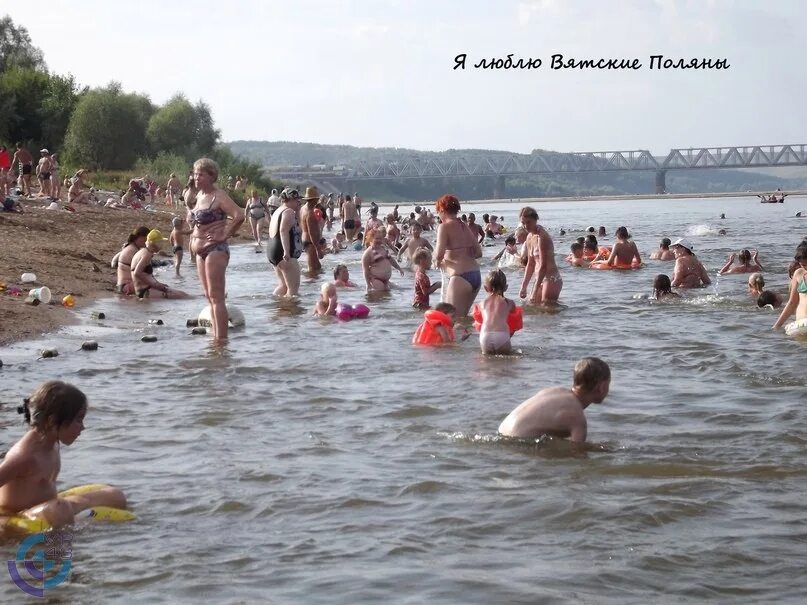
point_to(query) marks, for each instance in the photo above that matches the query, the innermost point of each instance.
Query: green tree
(22, 92)
(16, 49)
(182, 129)
(108, 129)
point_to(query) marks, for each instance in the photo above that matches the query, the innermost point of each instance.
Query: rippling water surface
(326, 462)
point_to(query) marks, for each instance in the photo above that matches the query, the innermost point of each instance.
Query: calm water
(327, 462)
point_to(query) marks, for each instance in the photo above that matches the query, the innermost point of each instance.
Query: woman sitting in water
(456, 252)
(377, 263)
(142, 269)
(662, 288)
(123, 260)
(745, 265)
(688, 272)
(797, 300)
(663, 252)
(624, 252)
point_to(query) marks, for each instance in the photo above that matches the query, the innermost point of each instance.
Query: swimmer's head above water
(661, 285)
(55, 405)
(422, 259)
(446, 308)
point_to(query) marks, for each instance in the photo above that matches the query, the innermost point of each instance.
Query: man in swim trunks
(350, 219)
(312, 231)
(540, 252)
(43, 172)
(558, 411)
(663, 252)
(25, 160)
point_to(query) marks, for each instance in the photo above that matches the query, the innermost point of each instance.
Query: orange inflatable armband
(427, 333)
(477, 315)
(515, 321)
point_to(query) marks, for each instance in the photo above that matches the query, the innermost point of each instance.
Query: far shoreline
(615, 198)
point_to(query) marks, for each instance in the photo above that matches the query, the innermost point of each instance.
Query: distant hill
(287, 153)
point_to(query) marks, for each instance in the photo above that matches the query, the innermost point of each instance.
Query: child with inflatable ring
(28, 498)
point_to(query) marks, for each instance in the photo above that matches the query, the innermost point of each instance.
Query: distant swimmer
(745, 265)
(798, 214)
(414, 243)
(663, 252)
(689, 272)
(558, 411)
(722, 215)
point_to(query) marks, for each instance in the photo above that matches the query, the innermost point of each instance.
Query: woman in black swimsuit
(285, 245)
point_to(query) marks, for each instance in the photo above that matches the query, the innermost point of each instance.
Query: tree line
(102, 128)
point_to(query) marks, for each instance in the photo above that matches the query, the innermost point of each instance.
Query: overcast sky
(379, 72)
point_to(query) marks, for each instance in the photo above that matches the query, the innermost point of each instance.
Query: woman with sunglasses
(798, 290)
(285, 243)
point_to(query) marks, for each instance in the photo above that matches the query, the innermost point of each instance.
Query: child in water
(177, 241)
(28, 473)
(326, 305)
(338, 243)
(576, 258)
(341, 277)
(437, 327)
(662, 288)
(493, 315)
(423, 286)
(509, 256)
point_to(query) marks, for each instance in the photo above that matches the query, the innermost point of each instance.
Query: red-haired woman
(456, 252)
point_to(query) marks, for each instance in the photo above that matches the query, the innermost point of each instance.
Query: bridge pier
(498, 187)
(661, 182)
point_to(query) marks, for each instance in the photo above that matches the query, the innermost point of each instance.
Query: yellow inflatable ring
(97, 513)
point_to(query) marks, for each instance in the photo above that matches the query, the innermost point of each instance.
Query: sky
(380, 72)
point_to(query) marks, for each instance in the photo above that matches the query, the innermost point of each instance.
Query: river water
(332, 462)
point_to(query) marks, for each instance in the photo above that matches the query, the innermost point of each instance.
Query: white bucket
(41, 294)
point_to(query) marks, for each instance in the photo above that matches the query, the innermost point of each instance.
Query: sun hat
(684, 243)
(311, 193)
(154, 236)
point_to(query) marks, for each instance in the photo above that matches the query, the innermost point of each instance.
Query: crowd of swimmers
(294, 226)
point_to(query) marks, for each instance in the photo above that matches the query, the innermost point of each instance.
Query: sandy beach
(69, 252)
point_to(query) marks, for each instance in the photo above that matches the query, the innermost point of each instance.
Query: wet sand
(69, 252)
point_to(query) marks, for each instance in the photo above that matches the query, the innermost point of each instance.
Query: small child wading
(497, 318)
(423, 286)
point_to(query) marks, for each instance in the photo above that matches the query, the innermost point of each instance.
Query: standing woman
(285, 244)
(211, 232)
(255, 211)
(456, 252)
(540, 252)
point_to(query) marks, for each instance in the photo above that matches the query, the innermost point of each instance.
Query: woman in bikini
(456, 252)
(540, 252)
(798, 289)
(123, 260)
(377, 263)
(255, 212)
(285, 243)
(689, 272)
(211, 231)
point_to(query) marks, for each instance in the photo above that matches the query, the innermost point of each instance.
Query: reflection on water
(323, 461)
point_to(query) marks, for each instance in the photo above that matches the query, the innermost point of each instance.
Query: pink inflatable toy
(344, 312)
(361, 311)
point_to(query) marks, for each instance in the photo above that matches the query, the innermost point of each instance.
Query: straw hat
(311, 193)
